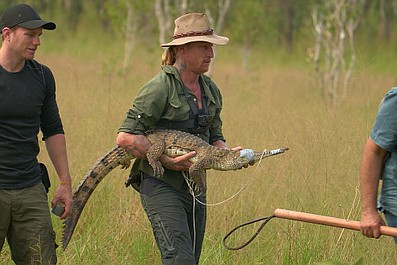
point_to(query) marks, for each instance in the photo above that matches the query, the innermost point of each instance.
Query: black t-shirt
(27, 105)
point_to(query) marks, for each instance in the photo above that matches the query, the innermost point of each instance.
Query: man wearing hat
(27, 105)
(179, 97)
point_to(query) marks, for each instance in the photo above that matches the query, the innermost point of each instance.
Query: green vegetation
(268, 107)
(274, 104)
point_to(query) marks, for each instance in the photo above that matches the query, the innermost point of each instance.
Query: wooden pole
(330, 221)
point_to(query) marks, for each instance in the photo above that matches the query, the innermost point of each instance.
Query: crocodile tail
(266, 153)
(115, 157)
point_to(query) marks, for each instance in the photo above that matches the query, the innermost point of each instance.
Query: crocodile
(172, 143)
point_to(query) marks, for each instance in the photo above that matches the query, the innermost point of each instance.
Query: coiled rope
(265, 219)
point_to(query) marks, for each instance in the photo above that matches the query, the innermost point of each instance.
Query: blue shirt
(384, 134)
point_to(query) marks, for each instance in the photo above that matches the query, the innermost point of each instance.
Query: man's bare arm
(137, 145)
(56, 148)
(371, 167)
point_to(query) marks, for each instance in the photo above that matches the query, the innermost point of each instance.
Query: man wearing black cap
(27, 105)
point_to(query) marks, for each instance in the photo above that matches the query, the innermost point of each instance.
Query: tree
(164, 14)
(167, 11)
(387, 11)
(335, 23)
(221, 12)
(249, 24)
(287, 22)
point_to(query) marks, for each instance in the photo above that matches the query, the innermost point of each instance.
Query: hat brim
(34, 24)
(214, 39)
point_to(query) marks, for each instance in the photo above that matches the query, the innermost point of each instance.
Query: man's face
(198, 56)
(23, 43)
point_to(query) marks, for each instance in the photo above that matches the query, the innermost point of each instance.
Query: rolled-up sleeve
(147, 108)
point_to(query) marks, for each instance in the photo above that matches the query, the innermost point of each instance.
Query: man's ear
(5, 33)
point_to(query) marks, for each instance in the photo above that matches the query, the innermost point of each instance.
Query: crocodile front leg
(153, 155)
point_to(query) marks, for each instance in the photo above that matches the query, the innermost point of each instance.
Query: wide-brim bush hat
(194, 27)
(24, 16)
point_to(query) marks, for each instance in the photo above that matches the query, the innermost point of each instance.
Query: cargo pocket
(163, 238)
(43, 250)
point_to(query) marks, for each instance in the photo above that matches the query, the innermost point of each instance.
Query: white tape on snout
(247, 154)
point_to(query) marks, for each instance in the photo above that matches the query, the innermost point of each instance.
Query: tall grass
(267, 107)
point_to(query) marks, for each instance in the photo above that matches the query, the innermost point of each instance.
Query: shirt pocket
(177, 109)
(214, 107)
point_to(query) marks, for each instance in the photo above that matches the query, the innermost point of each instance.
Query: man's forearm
(56, 148)
(136, 145)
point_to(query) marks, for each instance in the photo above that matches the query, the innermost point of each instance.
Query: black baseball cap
(24, 16)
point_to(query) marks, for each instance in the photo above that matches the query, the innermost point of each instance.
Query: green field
(274, 104)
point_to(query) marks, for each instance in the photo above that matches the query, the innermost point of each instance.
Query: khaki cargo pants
(26, 223)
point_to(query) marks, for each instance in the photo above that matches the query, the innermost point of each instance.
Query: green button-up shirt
(162, 98)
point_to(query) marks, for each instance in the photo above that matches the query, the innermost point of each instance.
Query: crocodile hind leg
(198, 175)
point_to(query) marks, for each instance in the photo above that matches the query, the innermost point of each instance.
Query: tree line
(330, 27)
(248, 22)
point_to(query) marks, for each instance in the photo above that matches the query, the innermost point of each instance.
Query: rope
(265, 219)
(188, 181)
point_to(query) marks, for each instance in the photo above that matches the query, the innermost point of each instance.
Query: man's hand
(63, 195)
(370, 224)
(237, 148)
(370, 172)
(179, 163)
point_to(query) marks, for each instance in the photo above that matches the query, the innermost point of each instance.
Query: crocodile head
(251, 156)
